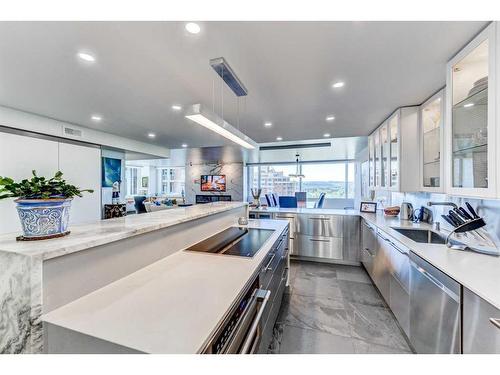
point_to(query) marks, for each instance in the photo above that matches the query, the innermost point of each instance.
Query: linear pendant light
(210, 120)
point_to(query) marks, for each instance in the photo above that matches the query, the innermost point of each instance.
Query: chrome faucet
(442, 204)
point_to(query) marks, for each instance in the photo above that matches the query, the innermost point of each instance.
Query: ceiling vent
(223, 69)
(295, 146)
(72, 132)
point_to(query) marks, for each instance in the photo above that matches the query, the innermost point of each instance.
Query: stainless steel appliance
(406, 212)
(242, 330)
(434, 309)
(237, 241)
(481, 322)
(368, 246)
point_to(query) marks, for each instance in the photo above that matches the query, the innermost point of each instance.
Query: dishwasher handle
(250, 344)
(436, 282)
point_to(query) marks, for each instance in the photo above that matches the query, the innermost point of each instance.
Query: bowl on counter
(392, 211)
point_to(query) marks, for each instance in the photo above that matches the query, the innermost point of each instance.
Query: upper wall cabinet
(393, 169)
(431, 115)
(470, 118)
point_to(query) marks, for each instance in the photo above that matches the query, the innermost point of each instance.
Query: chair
(301, 198)
(288, 201)
(276, 199)
(321, 200)
(270, 200)
(139, 204)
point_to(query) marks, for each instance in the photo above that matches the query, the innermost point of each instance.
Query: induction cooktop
(244, 242)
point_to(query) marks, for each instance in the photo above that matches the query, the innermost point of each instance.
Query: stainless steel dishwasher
(434, 309)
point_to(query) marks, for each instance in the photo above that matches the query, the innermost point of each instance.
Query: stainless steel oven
(242, 330)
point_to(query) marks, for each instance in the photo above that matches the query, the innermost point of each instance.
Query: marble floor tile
(363, 293)
(324, 314)
(297, 340)
(317, 270)
(316, 287)
(364, 347)
(352, 273)
(376, 325)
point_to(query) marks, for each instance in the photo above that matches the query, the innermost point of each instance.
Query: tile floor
(334, 309)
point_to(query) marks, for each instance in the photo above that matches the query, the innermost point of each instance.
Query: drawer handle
(495, 322)
(316, 240)
(319, 218)
(368, 226)
(268, 265)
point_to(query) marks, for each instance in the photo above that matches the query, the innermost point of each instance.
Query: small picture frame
(370, 207)
(145, 182)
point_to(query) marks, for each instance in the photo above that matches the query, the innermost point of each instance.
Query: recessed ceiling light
(176, 107)
(468, 105)
(193, 28)
(96, 118)
(151, 135)
(326, 135)
(330, 118)
(184, 145)
(279, 138)
(86, 57)
(268, 124)
(338, 85)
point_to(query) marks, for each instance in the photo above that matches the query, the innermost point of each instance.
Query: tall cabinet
(392, 168)
(470, 118)
(431, 116)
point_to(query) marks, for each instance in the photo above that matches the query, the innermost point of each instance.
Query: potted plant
(42, 204)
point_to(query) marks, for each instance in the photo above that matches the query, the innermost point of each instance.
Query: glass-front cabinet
(376, 144)
(431, 143)
(371, 162)
(471, 108)
(384, 145)
(393, 151)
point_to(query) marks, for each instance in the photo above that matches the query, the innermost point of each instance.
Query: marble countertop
(477, 272)
(85, 236)
(171, 306)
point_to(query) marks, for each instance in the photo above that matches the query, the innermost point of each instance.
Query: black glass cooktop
(245, 242)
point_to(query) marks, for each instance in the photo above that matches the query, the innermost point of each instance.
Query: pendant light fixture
(210, 120)
(297, 173)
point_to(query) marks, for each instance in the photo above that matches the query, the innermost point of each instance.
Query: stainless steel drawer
(351, 236)
(400, 304)
(292, 219)
(319, 247)
(367, 259)
(481, 322)
(320, 225)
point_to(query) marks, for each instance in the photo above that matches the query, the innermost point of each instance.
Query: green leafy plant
(39, 188)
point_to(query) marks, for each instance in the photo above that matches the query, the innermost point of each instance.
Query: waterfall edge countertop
(477, 272)
(85, 236)
(171, 306)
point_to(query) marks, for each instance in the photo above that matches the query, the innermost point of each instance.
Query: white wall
(19, 155)
(17, 119)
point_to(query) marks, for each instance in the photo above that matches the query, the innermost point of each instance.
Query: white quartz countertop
(171, 306)
(477, 272)
(85, 236)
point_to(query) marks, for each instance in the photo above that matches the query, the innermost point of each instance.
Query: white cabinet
(431, 116)
(471, 137)
(396, 150)
(371, 162)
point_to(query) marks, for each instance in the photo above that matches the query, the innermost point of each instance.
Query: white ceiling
(143, 68)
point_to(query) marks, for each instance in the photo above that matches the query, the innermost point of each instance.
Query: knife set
(468, 232)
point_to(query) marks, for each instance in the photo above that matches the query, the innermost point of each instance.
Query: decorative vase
(44, 218)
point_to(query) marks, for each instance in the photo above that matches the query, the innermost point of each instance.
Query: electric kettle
(406, 212)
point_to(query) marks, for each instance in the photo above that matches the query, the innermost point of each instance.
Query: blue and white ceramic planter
(44, 217)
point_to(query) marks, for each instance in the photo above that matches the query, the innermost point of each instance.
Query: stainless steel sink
(422, 235)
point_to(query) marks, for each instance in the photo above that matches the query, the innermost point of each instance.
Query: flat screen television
(213, 182)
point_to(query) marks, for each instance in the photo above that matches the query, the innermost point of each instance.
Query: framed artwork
(111, 171)
(145, 181)
(370, 207)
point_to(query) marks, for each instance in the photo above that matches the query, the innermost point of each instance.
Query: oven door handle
(251, 342)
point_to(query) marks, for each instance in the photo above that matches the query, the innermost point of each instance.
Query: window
(132, 178)
(335, 179)
(171, 181)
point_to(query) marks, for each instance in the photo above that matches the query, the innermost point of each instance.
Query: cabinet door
(481, 335)
(376, 145)
(381, 271)
(371, 162)
(384, 165)
(431, 135)
(393, 151)
(471, 108)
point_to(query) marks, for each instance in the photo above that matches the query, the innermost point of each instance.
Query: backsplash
(487, 208)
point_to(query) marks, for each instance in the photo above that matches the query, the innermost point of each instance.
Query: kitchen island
(40, 276)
